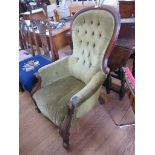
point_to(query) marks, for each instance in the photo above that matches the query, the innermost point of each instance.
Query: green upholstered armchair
(70, 87)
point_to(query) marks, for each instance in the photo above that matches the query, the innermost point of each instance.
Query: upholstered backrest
(92, 31)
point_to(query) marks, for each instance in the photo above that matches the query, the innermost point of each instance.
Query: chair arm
(53, 72)
(88, 90)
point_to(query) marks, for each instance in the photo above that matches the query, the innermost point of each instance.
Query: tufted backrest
(92, 32)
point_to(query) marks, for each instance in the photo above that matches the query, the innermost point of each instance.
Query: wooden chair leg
(21, 89)
(64, 130)
(101, 100)
(122, 89)
(108, 83)
(21, 41)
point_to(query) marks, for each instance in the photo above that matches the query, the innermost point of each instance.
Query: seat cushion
(27, 69)
(52, 100)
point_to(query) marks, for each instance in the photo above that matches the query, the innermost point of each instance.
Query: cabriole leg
(64, 130)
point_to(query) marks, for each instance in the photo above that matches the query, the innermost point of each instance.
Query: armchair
(70, 87)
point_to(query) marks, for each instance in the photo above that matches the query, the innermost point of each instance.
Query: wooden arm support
(106, 69)
(37, 86)
(64, 130)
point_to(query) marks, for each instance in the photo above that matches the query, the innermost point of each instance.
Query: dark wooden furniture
(127, 8)
(39, 13)
(25, 38)
(36, 14)
(42, 27)
(41, 40)
(76, 6)
(43, 54)
(43, 51)
(123, 50)
(130, 83)
(22, 7)
(117, 60)
(125, 47)
(69, 39)
(59, 39)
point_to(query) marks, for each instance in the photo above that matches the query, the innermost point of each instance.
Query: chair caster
(66, 145)
(65, 139)
(101, 100)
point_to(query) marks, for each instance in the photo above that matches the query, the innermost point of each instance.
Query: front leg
(108, 83)
(101, 100)
(122, 89)
(64, 130)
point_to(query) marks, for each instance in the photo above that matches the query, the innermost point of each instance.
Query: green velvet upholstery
(91, 36)
(77, 78)
(53, 99)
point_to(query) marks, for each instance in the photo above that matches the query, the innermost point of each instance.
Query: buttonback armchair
(70, 87)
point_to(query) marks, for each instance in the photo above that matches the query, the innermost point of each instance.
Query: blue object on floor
(27, 69)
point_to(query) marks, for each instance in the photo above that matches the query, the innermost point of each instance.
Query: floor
(95, 133)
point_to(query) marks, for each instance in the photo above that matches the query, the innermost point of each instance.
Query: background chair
(124, 49)
(41, 55)
(25, 40)
(130, 83)
(70, 87)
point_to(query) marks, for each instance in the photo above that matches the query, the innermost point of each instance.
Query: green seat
(53, 99)
(70, 87)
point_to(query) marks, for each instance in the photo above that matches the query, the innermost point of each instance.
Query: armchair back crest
(92, 38)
